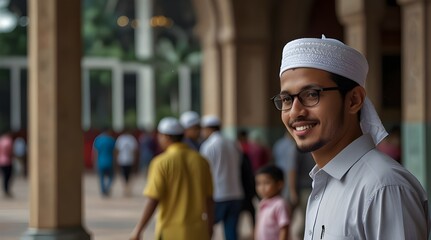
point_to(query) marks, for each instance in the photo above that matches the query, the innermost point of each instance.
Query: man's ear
(355, 99)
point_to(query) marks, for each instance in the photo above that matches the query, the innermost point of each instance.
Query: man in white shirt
(358, 192)
(225, 163)
(126, 154)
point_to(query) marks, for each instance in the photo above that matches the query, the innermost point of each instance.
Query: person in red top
(6, 156)
(259, 153)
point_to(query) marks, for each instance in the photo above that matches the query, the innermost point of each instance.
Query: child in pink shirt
(272, 221)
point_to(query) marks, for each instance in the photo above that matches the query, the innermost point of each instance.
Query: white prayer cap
(334, 56)
(189, 119)
(170, 126)
(210, 121)
(326, 54)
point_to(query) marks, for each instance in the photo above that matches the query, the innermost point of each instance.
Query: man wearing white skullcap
(190, 121)
(358, 192)
(180, 184)
(225, 162)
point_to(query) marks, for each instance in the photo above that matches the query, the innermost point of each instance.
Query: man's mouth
(303, 128)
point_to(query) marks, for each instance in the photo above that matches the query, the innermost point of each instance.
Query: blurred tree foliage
(100, 30)
(170, 55)
(14, 43)
(101, 37)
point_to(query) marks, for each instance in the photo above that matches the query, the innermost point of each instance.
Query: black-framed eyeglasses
(307, 97)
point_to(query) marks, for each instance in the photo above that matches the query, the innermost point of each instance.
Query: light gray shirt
(364, 194)
(225, 163)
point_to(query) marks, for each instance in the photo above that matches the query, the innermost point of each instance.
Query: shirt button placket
(317, 193)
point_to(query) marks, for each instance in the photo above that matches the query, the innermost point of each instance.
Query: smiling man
(358, 192)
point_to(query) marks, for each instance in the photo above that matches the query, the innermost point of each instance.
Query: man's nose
(298, 109)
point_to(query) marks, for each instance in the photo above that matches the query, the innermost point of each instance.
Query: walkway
(105, 218)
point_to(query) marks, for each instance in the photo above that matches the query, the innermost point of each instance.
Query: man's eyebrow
(311, 86)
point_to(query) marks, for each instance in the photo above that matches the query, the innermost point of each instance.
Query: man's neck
(325, 154)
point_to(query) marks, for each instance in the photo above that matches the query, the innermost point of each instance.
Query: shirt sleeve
(208, 153)
(282, 214)
(204, 151)
(156, 184)
(395, 212)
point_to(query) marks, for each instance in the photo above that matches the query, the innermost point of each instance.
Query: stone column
(117, 86)
(244, 37)
(416, 107)
(86, 100)
(226, 38)
(55, 135)
(146, 98)
(185, 88)
(15, 103)
(146, 112)
(361, 20)
(207, 28)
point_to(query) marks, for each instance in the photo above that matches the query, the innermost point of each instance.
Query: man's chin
(306, 148)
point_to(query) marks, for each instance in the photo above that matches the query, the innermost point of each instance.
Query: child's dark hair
(275, 172)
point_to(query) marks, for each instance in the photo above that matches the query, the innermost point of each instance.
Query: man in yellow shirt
(180, 185)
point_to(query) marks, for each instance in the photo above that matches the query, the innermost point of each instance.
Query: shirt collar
(268, 201)
(215, 134)
(176, 146)
(345, 159)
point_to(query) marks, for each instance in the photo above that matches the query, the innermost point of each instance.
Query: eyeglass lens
(308, 98)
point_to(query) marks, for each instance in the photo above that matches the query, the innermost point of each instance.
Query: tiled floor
(105, 218)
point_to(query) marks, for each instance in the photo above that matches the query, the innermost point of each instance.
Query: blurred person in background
(20, 153)
(273, 218)
(103, 156)
(247, 177)
(6, 157)
(224, 158)
(180, 186)
(284, 152)
(243, 142)
(126, 156)
(259, 152)
(148, 149)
